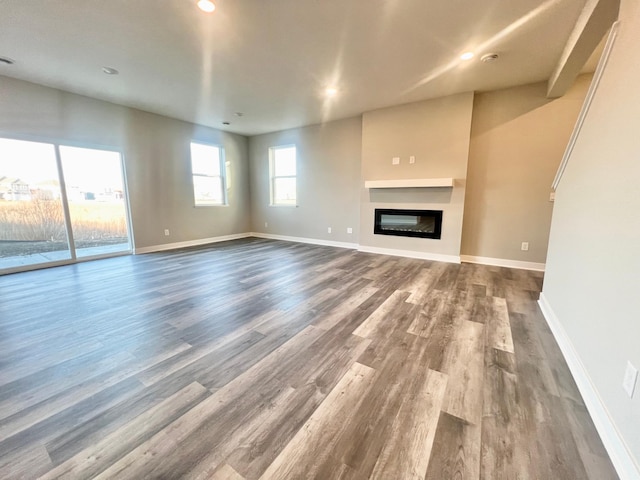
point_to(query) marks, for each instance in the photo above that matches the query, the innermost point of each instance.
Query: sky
(33, 162)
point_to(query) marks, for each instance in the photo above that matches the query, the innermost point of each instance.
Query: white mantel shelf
(410, 183)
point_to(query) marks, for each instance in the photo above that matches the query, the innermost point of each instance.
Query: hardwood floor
(263, 359)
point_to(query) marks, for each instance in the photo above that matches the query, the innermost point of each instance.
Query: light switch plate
(395, 161)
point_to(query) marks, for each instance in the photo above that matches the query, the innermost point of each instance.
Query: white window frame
(273, 177)
(222, 178)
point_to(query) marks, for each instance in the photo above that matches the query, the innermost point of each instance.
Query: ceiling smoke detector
(110, 71)
(489, 57)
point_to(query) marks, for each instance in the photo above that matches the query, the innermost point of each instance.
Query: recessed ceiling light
(110, 71)
(7, 61)
(206, 6)
(489, 57)
(330, 91)
(467, 56)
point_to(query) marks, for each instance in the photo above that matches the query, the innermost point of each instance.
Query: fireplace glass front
(408, 223)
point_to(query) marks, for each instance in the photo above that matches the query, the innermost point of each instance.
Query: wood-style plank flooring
(262, 359)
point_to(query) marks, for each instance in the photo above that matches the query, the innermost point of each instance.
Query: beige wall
(518, 137)
(436, 132)
(593, 266)
(156, 154)
(328, 180)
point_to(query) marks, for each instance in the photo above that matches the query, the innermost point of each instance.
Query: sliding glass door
(59, 203)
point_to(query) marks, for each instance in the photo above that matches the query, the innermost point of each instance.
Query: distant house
(12, 188)
(47, 190)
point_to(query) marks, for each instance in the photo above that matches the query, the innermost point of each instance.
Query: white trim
(613, 442)
(597, 76)
(438, 257)
(35, 266)
(189, 243)
(503, 262)
(313, 241)
(410, 183)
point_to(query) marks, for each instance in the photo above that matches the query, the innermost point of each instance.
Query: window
(208, 170)
(282, 162)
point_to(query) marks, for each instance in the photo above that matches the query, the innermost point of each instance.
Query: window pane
(32, 225)
(95, 191)
(205, 159)
(284, 162)
(284, 191)
(207, 190)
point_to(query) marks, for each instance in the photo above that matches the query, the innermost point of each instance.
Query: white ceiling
(271, 59)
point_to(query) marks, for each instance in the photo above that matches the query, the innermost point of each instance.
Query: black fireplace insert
(408, 223)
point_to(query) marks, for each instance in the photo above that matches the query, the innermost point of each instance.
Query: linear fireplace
(408, 223)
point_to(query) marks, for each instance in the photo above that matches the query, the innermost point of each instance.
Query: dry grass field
(24, 223)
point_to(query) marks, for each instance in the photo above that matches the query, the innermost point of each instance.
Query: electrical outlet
(412, 159)
(166, 232)
(266, 225)
(328, 229)
(349, 230)
(395, 161)
(630, 377)
(552, 197)
(525, 246)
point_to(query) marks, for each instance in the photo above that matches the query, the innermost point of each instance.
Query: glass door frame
(57, 143)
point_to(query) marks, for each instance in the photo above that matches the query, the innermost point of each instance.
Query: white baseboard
(190, 243)
(382, 251)
(411, 254)
(503, 262)
(614, 444)
(313, 241)
(328, 243)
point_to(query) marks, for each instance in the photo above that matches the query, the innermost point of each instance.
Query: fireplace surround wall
(401, 147)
